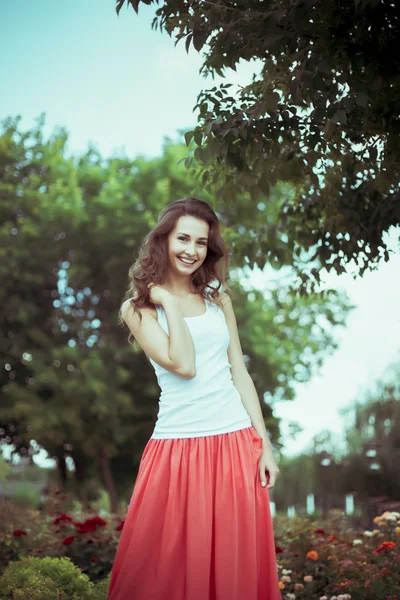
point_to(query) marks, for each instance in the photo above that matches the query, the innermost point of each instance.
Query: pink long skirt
(199, 525)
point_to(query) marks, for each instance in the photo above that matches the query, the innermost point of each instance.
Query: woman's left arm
(243, 382)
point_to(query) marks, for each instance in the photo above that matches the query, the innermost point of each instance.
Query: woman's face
(188, 239)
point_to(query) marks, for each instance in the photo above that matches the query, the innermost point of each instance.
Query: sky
(114, 83)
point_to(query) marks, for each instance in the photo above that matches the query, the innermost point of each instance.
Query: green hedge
(34, 578)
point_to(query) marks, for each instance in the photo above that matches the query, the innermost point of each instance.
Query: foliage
(320, 114)
(34, 578)
(373, 440)
(100, 590)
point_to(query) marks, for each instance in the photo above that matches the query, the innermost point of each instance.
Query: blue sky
(114, 82)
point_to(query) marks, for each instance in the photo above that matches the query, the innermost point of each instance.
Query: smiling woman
(199, 524)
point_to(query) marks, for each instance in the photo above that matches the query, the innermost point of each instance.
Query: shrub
(34, 578)
(100, 591)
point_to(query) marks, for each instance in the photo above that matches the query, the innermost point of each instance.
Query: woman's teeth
(186, 262)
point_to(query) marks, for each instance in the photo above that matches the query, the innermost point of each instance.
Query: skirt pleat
(199, 525)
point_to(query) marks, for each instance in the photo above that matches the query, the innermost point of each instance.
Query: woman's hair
(151, 265)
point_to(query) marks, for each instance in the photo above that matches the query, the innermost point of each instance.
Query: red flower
(63, 517)
(90, 524)
(385, 546)
(321, 531)
(97, 521)
(120, 526)
(278, 550)
(94, 559)
(19, 532)
(332, 538)
(85, 527)
(68, 540)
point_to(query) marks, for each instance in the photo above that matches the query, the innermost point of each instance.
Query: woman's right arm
(174, 352)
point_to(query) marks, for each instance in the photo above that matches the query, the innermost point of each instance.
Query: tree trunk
(80, 477)
(61, 471)
(108, 480)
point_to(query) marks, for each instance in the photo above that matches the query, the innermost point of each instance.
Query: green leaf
(362, 100)
(198, 137)
(188, 137)
(199, 38)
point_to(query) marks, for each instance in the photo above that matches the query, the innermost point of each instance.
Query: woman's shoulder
(127, 306)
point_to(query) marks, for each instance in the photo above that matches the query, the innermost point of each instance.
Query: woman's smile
(186, 261)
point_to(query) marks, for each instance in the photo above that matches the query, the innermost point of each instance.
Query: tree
(373, 439)
(320, 115)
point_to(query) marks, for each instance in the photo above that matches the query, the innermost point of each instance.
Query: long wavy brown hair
(151, 264)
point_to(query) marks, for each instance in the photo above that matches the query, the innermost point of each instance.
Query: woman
(199, 525)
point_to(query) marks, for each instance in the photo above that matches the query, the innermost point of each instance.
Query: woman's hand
(268, 469)
(158, 293)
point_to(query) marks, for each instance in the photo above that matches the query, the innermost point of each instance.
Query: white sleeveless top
(208, 404)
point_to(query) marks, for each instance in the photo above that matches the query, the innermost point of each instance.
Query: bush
(100, 591)
(46, 578)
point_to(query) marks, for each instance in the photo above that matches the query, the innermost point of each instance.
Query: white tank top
(208, 404)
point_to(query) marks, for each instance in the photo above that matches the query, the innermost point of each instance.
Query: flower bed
(89, 541)
(326, 561)
(317, 560)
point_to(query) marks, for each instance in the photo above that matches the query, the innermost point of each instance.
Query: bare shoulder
(128, 311)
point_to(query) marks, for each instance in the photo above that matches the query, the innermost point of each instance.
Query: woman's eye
(184, 240)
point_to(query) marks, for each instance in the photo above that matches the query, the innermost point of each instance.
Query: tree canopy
(321, 114)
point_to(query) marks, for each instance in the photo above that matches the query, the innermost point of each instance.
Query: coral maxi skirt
(199, 525)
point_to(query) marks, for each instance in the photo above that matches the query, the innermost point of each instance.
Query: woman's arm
(241, 377)
(181, 347)
(174, 352)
